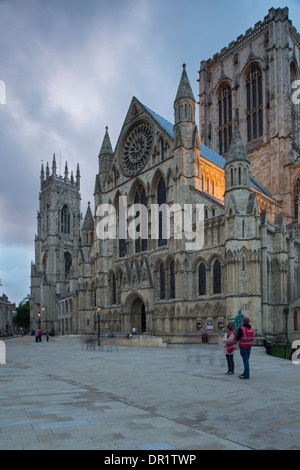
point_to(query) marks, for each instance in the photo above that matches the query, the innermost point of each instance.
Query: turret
(54, 165)
(106, 154)
(87, 230)
(237, 171)
(185, 129)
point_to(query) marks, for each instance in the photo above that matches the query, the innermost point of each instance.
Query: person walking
(229, 347)
(245, 338)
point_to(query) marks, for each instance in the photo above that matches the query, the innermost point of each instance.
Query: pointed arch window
(202, 279)
(161, 199)
(65, 220)
(254, 103)
(217, 277)
(140, 198)
(225, 118)
(113, 289)
(172, 280)
(68, 263)
(162, 280)
(121, 235)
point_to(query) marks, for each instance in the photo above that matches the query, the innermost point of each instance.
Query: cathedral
(240, 165)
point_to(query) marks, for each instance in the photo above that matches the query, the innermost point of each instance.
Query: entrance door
(139, 315)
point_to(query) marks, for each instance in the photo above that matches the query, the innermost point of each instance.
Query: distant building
(6, 315)
(243, 167)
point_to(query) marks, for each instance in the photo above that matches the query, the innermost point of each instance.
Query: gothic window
(225, 118)
(140, 198)
(172, 280)
(113, 289)
(217, 277)
(162, 281)
(296, 200)
(161, 199)
(68, 263)
(122, 241)
(162, 150)
(202, 279)
(65, 220)
(254, 103)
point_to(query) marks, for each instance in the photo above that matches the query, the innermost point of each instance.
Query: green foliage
(22, 318)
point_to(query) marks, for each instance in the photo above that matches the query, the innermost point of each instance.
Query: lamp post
(44, 309)
(98, 321)
(39, 315)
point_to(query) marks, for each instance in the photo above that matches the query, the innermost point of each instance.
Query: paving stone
(57, 395)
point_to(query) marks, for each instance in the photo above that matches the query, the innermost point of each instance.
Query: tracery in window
(161, 199)
(65, 220)
(217, 277)
(140, 198)
(202, 279)
(162, 283)
(254, 103)
(225, 118)
(68, 263)
(172, 280)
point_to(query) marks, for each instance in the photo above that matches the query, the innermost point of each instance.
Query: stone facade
(165, 286)
(253, 75)
(6, 316)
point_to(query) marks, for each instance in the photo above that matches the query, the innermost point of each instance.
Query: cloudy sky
(71, 68)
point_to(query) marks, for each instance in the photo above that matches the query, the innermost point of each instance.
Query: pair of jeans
(230, 362)
(245, 353)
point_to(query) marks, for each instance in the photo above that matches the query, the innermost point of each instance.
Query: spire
(78, 176)
(184, 89)
(54, 165)
(88, 223)
(42, 173)
(66, 172)
(106, 148)
(47, 171)
(237, 149)
(106, 153)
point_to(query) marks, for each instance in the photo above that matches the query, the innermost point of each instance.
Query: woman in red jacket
(245, 337)
(229, 347)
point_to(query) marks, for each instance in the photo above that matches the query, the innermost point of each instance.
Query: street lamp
(39, 315)
(98, 321)
(44, 309)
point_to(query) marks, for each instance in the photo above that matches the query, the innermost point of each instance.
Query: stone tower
(242, 242)
(255, 74)
(54, 271)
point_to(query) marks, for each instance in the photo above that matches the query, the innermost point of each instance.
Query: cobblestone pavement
(60, 395)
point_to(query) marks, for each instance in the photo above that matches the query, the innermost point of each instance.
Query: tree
(22, 318)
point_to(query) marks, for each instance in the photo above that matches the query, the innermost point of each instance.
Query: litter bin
(204, 338)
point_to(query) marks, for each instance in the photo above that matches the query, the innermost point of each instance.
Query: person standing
(245, 338)
(229, 347)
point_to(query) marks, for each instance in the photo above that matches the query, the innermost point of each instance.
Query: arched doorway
(138, 315)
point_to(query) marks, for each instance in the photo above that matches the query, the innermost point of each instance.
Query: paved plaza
(60, 395)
